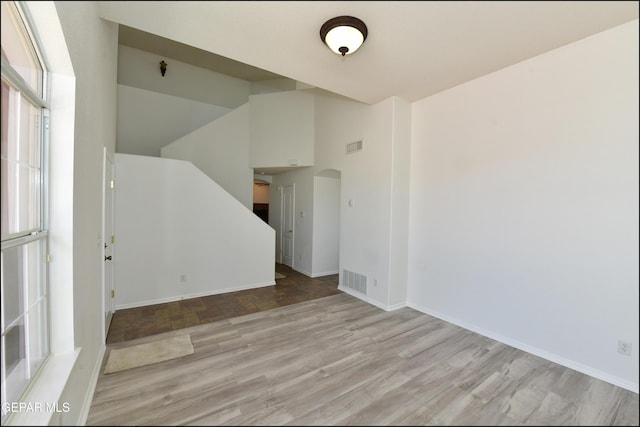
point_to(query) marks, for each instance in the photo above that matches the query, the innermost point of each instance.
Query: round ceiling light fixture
(343, 34)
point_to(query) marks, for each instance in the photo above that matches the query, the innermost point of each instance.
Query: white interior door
(287, 224)
(108, 236)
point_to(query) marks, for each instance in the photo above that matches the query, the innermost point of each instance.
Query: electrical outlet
(624, 347)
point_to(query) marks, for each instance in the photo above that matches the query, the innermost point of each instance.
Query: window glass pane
(6, 93)
(10, 104)
(12, 285)
(37, 333)
(21, 156)
(34, 271)
(30, 134)
(24, 302)
(25, 342)
(21, 193)
(28, 199)
(17, 48)
(15, 363)
(22, 269)
(9, 196)
(10, 108)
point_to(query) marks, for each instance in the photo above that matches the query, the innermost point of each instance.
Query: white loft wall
(221, 150)
(148, 120)
(524, 205)
(180, 235)
(282, 129)
(326, 226)
(141, 69)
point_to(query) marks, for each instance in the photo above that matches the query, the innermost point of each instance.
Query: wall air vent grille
(355, 281)
(354, 147)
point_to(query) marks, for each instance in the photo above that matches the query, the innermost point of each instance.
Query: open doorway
(261, 189)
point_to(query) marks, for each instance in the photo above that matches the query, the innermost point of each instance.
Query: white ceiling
(191, 55)
(413, 50)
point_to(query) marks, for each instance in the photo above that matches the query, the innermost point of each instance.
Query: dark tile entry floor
(140, 322)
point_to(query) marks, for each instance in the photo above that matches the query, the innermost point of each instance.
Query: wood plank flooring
(295, 287)
(340, 361)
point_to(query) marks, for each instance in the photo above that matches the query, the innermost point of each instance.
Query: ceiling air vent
(354, 147)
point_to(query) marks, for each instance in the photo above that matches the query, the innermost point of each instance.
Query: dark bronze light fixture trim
(163, 67)
(340, 46)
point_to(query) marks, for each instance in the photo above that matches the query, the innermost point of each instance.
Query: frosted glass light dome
(339, 38)
(343, 34)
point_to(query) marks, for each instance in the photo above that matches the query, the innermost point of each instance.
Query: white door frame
(108, 233)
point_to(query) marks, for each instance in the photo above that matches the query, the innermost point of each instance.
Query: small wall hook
(163, 67)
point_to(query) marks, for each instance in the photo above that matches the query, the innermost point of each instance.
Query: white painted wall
(173, 220)
(273, 85)
(366, 179)
(524, 205)
(366, 182)
(400, 183)
(337, 122)
(95, 128)
(326, 226)
(141, 69)
(568, 294)
(282, 129)
(148, 120)
(221, 150)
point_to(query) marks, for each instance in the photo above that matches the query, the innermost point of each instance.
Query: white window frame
(28, 236)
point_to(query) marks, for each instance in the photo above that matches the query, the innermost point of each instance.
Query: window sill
(42, 399)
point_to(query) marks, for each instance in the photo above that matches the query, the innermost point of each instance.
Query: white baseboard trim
(587, 370)
(324, 273)
(370, 300)
(313, 275)
(397, 306)
(88, 398)
(301, 271)
(193, 295)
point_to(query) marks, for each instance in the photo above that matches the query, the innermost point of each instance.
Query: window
(25, 335)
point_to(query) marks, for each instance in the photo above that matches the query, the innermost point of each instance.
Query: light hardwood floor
(340, 361)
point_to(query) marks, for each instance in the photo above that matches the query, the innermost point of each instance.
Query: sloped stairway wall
(180, 235)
